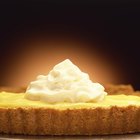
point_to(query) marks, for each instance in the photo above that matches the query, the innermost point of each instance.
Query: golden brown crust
(13, 89)
(97, 121)
(94, 121)
(117, 89)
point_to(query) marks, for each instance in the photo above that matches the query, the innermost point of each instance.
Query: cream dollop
(65, 83)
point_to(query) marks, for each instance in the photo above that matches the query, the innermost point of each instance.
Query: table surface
(107, 137)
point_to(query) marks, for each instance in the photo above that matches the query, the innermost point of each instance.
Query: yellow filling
(14, 100)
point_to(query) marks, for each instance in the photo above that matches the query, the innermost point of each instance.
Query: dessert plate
(135, 136)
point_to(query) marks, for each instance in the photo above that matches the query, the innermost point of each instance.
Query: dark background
(114, 25)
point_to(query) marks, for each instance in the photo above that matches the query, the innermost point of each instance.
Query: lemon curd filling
(14, 100)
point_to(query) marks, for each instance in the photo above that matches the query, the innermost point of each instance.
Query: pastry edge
(94, 121)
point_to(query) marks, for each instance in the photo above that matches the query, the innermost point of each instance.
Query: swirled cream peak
(65, 83)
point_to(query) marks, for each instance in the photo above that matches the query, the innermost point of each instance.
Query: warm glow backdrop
(38, 56)
(101, 37)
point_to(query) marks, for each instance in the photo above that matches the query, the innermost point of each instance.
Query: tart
(119, 113)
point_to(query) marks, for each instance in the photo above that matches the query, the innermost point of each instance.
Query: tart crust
(98, 121)
(91, 121)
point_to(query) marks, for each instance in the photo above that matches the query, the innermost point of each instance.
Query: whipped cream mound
(65, 83)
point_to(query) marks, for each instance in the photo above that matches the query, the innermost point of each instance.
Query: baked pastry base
(90, 121)
(98, 121)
